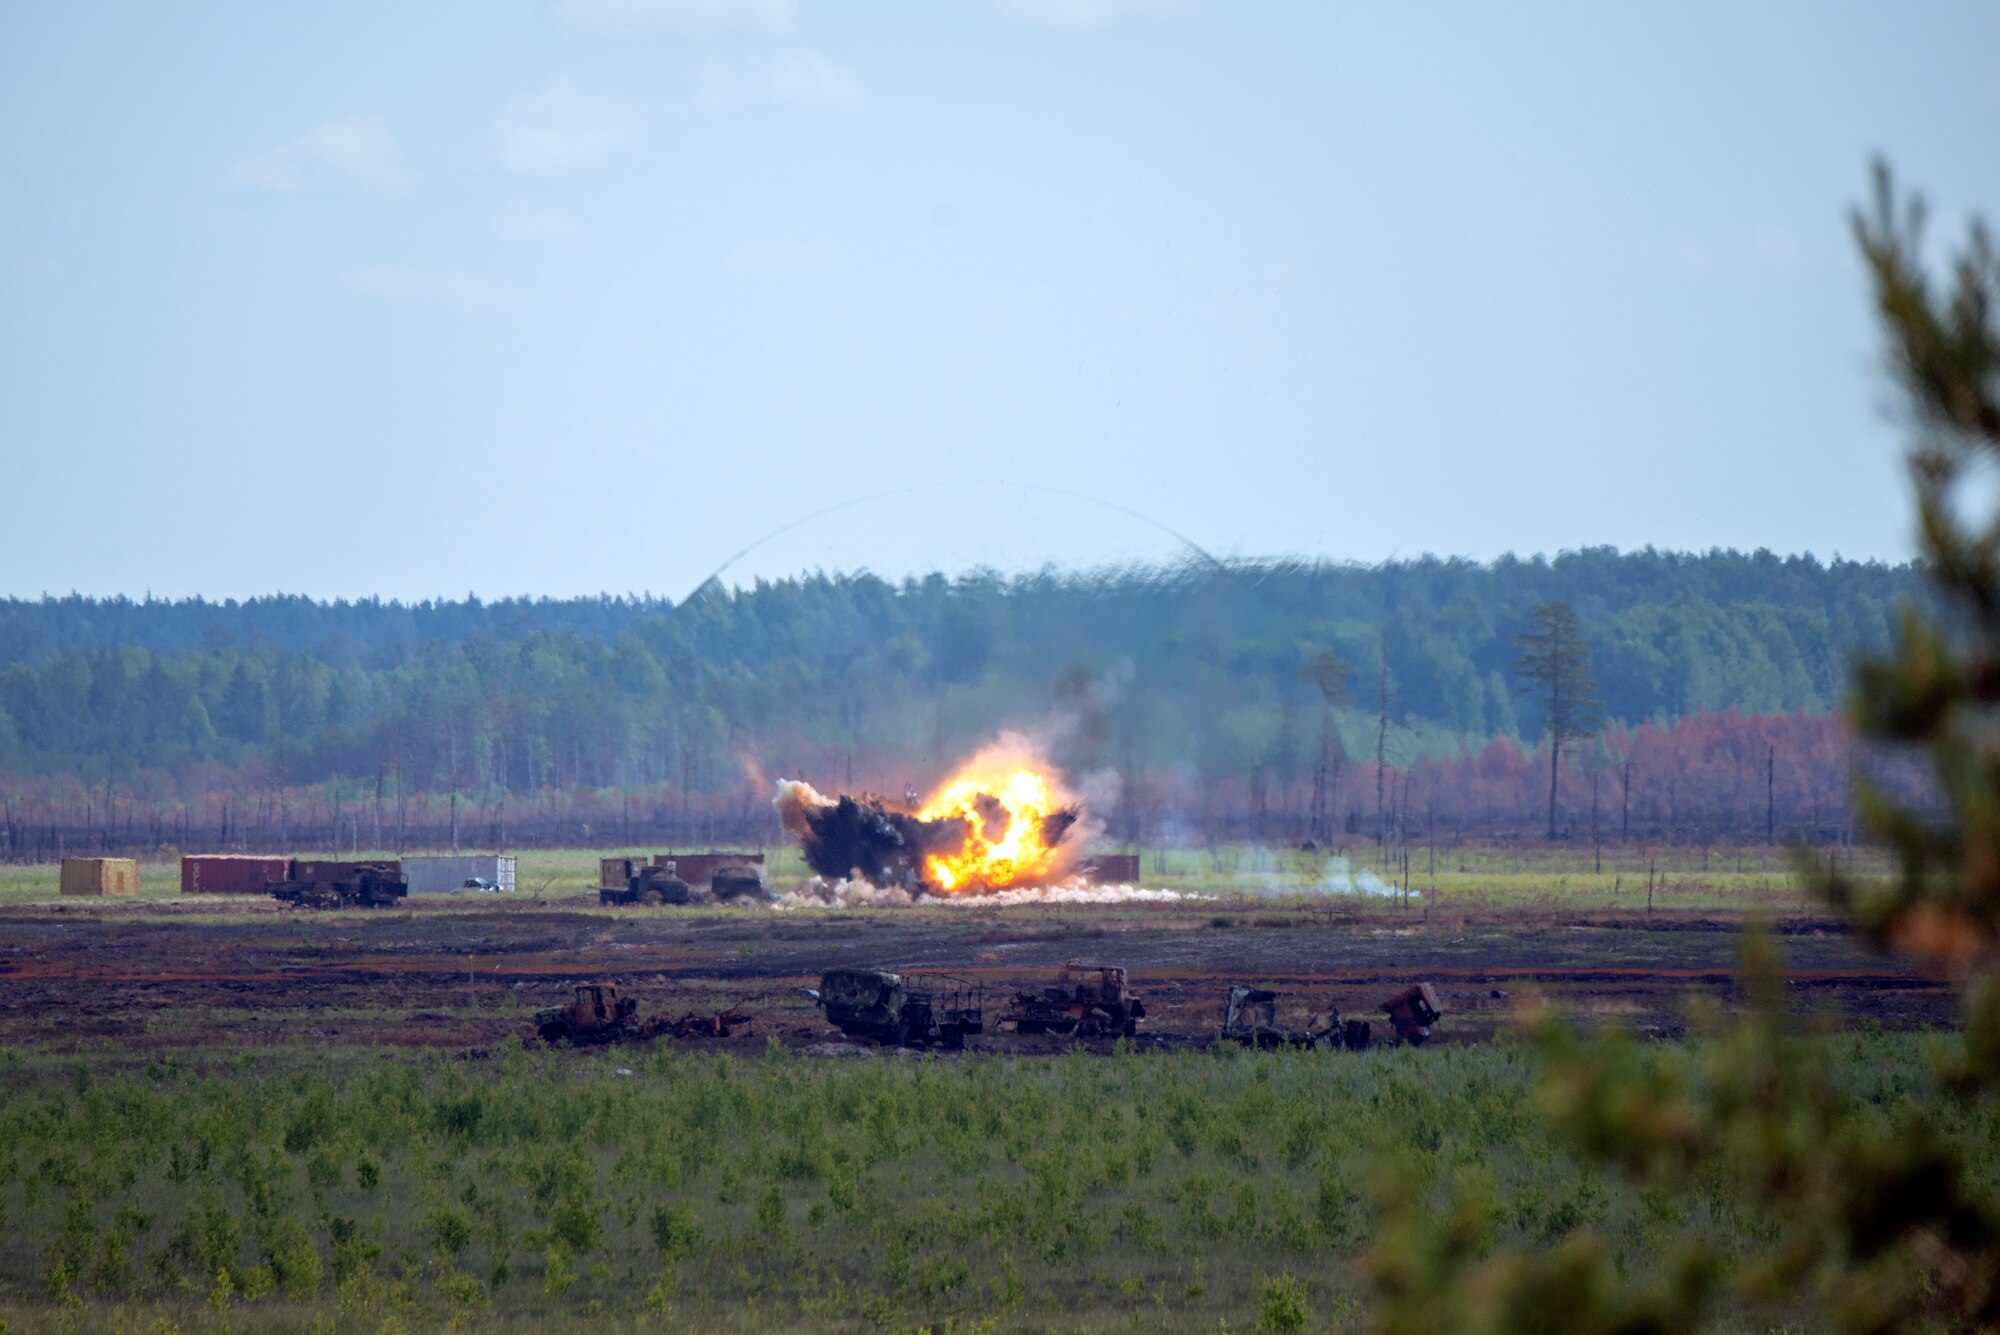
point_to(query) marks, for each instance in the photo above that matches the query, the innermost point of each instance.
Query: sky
(593, 295)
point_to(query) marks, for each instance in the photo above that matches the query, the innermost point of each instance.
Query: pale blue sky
(559, 298)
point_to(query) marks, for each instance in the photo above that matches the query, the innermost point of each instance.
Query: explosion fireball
(1000, 823)
(1013, 831)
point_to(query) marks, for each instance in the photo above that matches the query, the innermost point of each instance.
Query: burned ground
(172, 973)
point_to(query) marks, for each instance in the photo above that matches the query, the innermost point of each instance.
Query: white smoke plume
(1077, 892)
(1340, 878)
(819, 892)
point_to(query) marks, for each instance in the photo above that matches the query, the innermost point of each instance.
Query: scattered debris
(1252, 1020)
(1088, 1000)
(720, 1024)
(899, 1012)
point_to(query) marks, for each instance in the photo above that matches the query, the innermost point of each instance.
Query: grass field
(654, 1189)
(217, 1116)
(1725, 880)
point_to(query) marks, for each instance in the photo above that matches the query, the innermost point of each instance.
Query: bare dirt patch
(242, 972)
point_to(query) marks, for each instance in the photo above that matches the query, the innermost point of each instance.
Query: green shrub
(448, 1230)
(1281, 1304)
(578, 1222)
(676, 1232)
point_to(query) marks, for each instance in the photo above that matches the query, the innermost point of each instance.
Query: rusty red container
(700, 868)
(230, 873)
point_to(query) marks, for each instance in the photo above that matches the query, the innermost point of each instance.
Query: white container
(431, 876)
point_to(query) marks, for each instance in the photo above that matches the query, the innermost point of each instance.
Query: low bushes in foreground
(659, 1189)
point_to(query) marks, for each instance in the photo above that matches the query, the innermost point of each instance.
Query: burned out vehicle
(917, 1011)
(1251, 1018)
(596, 1014)
(644, 884)
(1412, 1012)
(319, 884)
(736, 882)
(1087, 1000)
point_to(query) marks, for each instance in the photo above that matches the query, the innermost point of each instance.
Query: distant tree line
(1241, 691)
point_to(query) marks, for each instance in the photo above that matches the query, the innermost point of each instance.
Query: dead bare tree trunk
(1381, 744)
(1771, 795)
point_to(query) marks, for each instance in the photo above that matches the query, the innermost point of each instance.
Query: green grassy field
(1759, 880)
(352, 1191)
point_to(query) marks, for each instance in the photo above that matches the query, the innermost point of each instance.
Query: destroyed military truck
(737, 882)
(316, 884)
(1251, 1019)
(1087, 1000)
(895, 1011)
(642, 883)
(597, 1014)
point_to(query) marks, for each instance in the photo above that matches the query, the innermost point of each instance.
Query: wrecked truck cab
(1412, 1012)
(879, 1005)
(1087, 1000)
(739, 882)
(1252, 1018)
(859, 999)
(596, 1014)
(648, 886)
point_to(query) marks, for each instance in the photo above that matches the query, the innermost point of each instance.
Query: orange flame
(1003, 809)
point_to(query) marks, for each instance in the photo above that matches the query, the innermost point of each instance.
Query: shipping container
(698, 869)
(1113, 868)
(100, 876)
(440, 875)
(231, 873)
